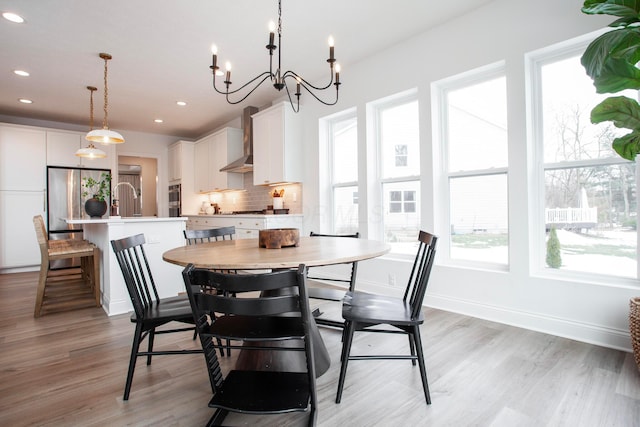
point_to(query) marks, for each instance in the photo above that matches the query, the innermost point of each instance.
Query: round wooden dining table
(245, 254)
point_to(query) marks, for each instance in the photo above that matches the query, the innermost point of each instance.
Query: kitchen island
(161, 234)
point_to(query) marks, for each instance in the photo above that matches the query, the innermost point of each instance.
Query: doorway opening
(142, 174)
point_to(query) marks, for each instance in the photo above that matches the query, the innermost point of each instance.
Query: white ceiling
(161, 53)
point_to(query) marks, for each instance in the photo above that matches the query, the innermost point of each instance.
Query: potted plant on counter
(99, 190)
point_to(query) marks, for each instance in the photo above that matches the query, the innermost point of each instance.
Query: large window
(588, 214)
(343, 137)
(398, 139)
(474, 137)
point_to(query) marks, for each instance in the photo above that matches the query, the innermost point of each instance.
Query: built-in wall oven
(174, 200)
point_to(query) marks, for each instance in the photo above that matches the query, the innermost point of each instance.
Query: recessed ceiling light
(158, 120)
(13, 17)
(21, 73)
(25, 101)
(181, 103)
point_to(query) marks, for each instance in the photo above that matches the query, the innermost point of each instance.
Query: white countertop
(117, 219)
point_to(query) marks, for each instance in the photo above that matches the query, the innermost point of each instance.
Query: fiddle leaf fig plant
(98, 189)
(611, 62)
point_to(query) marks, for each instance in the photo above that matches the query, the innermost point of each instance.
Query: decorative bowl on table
(276, 238)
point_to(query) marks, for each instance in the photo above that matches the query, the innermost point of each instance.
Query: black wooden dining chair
(316, 290)
(364, 312)
(149, 310)
(194, 237)
(255, 323)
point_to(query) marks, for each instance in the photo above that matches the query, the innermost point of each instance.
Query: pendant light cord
(105, 122)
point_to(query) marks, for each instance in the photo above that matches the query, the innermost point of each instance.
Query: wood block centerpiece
(276, 238)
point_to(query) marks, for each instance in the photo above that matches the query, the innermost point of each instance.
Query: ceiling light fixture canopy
(277, 77)
(105, 135)
(91, 152)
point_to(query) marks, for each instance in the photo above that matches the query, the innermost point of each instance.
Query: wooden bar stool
(50, 250)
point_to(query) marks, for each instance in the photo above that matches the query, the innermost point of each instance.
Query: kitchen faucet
(115, 187)
(115, 209)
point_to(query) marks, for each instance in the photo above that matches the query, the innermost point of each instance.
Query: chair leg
(132, 360)
(42, 282)
(152, 334)
(346, 350)
(217, 418)
(96, 276)
(412, 348)
(423, 369)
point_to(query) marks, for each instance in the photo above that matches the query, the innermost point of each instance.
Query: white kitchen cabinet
(247, 226)
(181, 171)
(277, 146)
(62, 147)
(22, 193)
(24, 157)
(175, 162)
(214, 152)
(201, 165)
(18, 242)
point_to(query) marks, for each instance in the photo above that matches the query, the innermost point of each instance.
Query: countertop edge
(119, 220)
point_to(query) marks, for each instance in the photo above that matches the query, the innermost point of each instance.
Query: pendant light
(91, 152)
(105, 135)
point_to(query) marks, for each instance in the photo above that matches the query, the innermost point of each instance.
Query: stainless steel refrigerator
(64, 200)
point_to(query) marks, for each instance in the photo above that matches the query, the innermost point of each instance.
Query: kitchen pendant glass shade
(104, 136)
(91, 152)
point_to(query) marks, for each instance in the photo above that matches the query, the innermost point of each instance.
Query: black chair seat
(263, 392)
(377, 309)
(327, 294)
(252, 328)
(167, 310)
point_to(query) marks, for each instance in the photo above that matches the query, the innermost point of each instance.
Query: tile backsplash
(255, 198)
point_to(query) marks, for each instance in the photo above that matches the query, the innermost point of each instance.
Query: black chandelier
(277, 77)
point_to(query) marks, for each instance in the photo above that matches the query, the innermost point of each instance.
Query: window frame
(330, 124)
(440, 91)
(375, 110)
(537, 236)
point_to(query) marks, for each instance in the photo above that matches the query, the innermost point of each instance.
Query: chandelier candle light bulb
(331, 45)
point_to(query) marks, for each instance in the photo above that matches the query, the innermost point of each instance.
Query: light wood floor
(68, 369)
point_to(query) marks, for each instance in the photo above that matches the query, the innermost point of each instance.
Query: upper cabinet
(23, 152)
(214, 152)
(277, 146)
(62, 147)
(175, 161)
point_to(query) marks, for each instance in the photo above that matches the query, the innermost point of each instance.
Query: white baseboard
(618, 339)
(607, 337)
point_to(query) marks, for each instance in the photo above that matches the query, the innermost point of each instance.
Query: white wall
(504, 30)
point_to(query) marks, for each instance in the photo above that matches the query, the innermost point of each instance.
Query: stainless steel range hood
(245, 163)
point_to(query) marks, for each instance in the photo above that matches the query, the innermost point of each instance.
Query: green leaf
(622, 111)
(625, 22)
(627, 146)
(622, 8)
(617, 75)
(621, 44)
